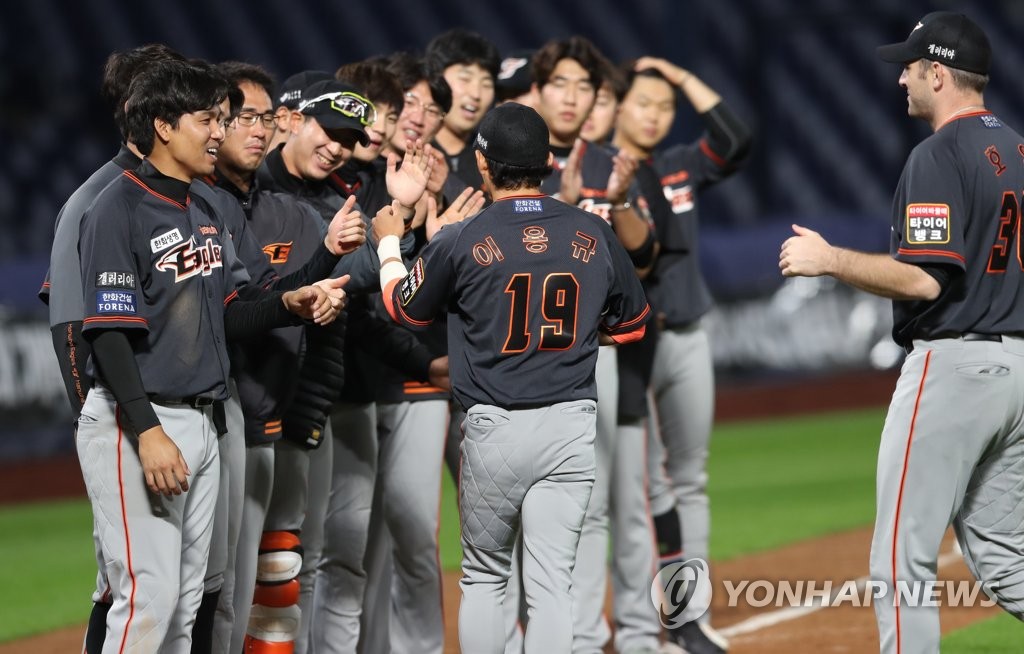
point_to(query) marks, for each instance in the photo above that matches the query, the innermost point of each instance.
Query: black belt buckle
(198, 402)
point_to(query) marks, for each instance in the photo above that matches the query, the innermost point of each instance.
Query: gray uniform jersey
(953, 440)
(163, 278)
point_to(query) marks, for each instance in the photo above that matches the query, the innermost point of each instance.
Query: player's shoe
(698, 638)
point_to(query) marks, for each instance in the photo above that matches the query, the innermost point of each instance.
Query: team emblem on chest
(190, 259)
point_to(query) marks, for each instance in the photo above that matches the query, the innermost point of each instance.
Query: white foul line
(765, 620)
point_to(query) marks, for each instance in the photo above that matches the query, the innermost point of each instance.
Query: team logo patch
(165, 240)
(208, 230)
(527, 206)
(115, 279)
(411, 283)
(190, 259)
(681, 198)
(278, 252)
(115, 302)
(927, 224)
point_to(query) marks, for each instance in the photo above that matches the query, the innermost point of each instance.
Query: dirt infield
(838, 558)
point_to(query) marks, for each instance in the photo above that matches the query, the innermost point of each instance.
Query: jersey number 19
(560, 295)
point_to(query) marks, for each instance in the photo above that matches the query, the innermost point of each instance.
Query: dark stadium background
(829, 121)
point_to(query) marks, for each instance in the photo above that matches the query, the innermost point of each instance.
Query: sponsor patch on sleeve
(927, 224)
(115, 279)
(411, 283)
(115, 302)
(165, 240)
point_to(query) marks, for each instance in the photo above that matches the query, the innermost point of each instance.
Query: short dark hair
(629, 74)
(170, 89)
(510, 177)
(239, 72)
(968, 81)
(411, 70)
(122, 67)
(461, 46)
(615, 78)
(578, 48)
(377, 83)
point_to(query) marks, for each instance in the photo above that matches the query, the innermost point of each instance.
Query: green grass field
(772, 482)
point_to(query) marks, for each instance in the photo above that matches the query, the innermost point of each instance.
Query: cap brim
(896, 53)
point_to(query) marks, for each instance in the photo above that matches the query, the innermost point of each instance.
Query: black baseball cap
(515, 134)
(339, 106)
(291, 90)
(947, 37)
(514, 77)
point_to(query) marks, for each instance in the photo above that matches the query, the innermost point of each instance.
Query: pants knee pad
(275, 616)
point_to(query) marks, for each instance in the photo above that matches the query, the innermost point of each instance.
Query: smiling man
(288, 234)
(322, 134)
(469, 63)
(160, 303)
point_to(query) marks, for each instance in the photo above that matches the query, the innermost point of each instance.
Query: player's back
(533, 277)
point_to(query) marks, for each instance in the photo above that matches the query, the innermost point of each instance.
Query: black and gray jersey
(526, 284)
(155, 267)
(676, 287)
(958, 206)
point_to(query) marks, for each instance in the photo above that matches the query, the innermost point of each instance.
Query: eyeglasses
(413, 102)
(350, 104)
(249, 118)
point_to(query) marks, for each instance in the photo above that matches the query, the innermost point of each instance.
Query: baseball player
(526, 283)
(400, 611)
(953, 439)
(681, 378)
(567, 74)
(290, 240)
(62, 288)
(160, 302)
(469, 63)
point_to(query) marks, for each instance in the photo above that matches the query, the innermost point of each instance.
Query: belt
(194, 401)
(968, 336)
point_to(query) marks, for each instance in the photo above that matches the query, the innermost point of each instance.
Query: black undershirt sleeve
(643, 256)
(941, 273)
(246, 318)
(320, 266)
(119, 371)
(728, 136)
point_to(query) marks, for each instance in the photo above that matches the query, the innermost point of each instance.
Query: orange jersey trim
(420, 388)
(932, 253)
(711, 154)
(138, 181)
(389, 299)
(643, 314)
(629, 337)
(675, 178)
(230, 298)
(116, 319)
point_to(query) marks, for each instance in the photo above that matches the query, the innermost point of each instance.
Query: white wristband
(391, 266)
